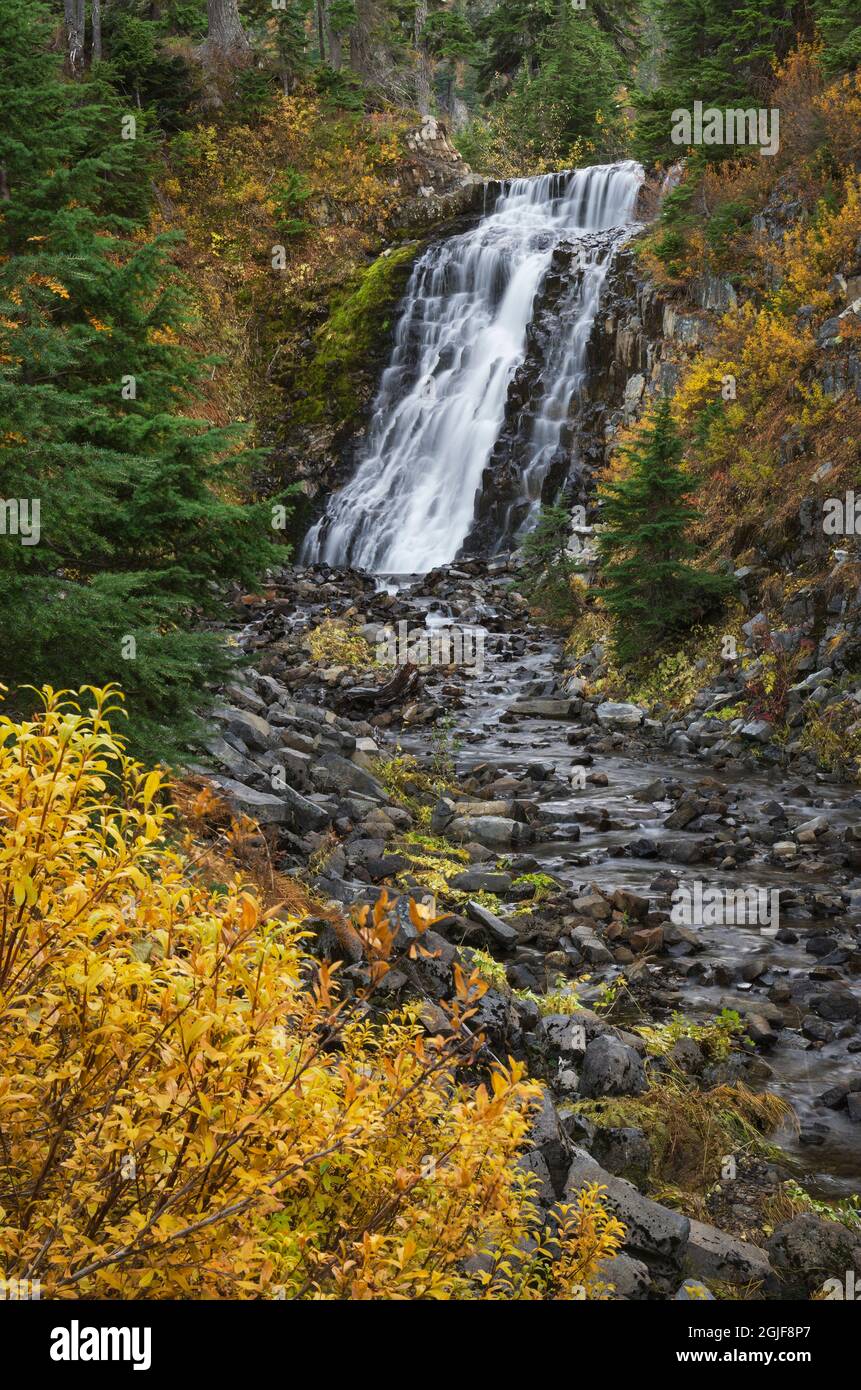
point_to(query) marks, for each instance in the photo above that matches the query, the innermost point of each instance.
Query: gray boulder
(305, 814)
(808, 1250)
(614, 715)
(482, 881)
(629, 1277)
(334, 773)
(496, 1018)
(547, 709)
(250, 729)
(548, 1136)
(712, 1254)
(611, 1068)
(501, 931)
(496, 832)
(237, 764)
(263, 807)
(650, 1229)
(625, 1151)
(692, 1291)
(534, 1162)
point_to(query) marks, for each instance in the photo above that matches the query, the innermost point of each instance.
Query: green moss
(435, 844)
(409, 784)
(846, 1210)
(561, 999)
(350, 339)
(543, 884)
(715, 1037)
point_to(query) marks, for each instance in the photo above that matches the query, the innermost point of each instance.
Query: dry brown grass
(220, 845)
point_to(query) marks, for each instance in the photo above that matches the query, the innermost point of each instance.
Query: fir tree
(719, 52)
(137, 530)
(648, 584)
(839, 24)
(548, 568)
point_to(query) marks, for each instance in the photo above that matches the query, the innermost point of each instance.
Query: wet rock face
(499, 510)
(622, 362)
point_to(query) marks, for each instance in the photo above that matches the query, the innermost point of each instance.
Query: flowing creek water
(597, 855)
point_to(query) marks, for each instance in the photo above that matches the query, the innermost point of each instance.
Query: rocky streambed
(553, 830)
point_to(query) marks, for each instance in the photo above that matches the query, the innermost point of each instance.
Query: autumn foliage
(189, 1104)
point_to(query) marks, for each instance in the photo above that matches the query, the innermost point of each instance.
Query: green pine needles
(649, 586)
(139, 527)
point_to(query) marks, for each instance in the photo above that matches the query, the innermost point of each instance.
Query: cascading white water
(565, 367)
(460, 339)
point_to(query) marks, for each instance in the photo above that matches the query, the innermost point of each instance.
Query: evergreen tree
(839, 23)
(719, 52)
(549, 570)
(137, 530)
(649, 587)
(572, 93)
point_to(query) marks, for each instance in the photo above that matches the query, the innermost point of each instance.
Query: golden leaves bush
(189, 1106)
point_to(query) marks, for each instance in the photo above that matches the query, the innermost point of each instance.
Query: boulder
(614, 715)
(496, 1019)
(650, 1229)
(629, 1278)
(284, 807)
(712, 1254)
(611, 1068)
(546, 709)
(237, 764)
(334, 773)
(504, 934)
(250, 729)
(625, 1151)
(564, 1037)
(806, 1251)
(305, 814)
(548, 1136)
(481, 881)
(758, 731)
(496, 832)
(694, 1292)
(264, 807)
(534, 1163)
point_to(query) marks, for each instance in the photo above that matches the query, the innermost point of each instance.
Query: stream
(606, 820)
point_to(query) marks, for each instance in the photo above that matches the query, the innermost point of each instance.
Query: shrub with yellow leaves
(189, 1105)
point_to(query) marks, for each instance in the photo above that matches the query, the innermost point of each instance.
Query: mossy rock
(351, 342)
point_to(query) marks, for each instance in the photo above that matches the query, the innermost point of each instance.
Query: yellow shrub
(187, 1105)
(339, 644)
(812, 250)
(840, 109)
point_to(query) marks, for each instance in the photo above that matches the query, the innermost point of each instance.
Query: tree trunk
(336, 56)
(74, 15)
(361, 40)
(423, 70)
(321, 29)
(96, 40)
(225, 37)
(459, 109)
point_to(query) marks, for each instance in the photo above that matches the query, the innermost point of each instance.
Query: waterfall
(460, 338)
